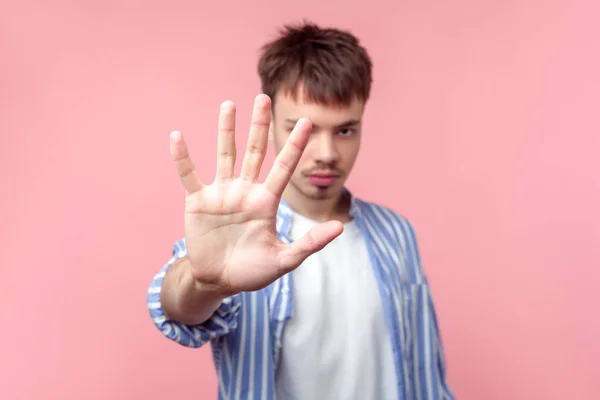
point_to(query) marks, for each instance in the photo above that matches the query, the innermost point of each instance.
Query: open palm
(230, 229)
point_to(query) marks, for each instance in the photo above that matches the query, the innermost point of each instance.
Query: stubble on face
(332, 149)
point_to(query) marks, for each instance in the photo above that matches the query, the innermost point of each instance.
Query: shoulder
(394, 228)
(385, 218)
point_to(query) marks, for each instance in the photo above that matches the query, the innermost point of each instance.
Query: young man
(304, 290)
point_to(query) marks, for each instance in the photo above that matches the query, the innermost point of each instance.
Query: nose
(326, 149)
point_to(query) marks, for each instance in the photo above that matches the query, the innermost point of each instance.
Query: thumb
(293, 254)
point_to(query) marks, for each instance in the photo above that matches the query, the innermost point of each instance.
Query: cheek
(350, 152)
(279, 138)
(309, 150)
(305, 159)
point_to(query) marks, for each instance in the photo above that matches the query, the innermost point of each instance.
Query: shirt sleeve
(439, 361)
(429, 350)
(223, 321)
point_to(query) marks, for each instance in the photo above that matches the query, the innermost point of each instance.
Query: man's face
(331, 151)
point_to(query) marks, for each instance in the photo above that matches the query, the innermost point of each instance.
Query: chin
(323, 193)
(311, 192)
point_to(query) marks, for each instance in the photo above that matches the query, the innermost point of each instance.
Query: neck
(321, 210)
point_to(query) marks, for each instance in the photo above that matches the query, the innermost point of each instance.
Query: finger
(288, 158)
(317, 238)
(257, 139)
(226, 141)
(183, 164)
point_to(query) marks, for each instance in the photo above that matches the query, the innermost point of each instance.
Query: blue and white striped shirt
(246, 331)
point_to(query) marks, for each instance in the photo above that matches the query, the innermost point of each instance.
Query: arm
(231, 244)
(439, 358)
(428, 349)
(194, 315)
(184, 299)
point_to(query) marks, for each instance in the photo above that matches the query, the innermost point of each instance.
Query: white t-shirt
(336, 345)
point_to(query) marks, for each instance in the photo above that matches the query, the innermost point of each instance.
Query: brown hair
(329, 64)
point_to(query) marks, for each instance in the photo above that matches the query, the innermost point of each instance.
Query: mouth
(323, 179)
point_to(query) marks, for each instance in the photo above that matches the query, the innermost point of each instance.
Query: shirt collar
(285, 214)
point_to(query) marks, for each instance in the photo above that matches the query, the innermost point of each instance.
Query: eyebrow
(345, 124)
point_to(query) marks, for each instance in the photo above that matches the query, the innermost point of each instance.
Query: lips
(323, 179)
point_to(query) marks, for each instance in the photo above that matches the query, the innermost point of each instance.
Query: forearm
(186, 300)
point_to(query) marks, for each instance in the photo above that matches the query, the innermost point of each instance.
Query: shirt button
(285, 290)
(278, 344)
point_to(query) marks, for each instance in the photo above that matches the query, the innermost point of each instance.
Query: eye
(346, 132)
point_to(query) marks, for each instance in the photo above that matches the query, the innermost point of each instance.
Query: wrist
(198, 285)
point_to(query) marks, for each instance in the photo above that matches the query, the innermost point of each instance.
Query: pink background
(483, 129)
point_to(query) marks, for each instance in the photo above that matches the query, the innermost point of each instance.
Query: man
(303, 290)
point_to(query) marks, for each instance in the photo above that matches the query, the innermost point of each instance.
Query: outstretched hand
(230, 230)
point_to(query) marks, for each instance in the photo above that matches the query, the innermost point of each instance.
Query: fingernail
(175, 135)
(227, 105)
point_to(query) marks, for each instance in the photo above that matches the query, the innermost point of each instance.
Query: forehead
(286, 107)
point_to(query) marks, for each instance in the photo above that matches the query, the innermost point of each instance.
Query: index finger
(287, 160)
